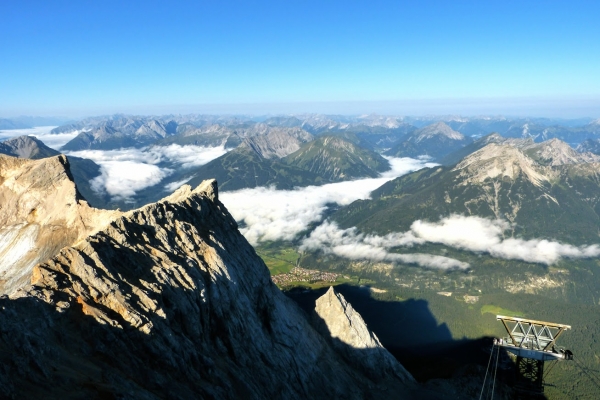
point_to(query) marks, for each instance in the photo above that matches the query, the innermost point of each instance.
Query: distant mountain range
(118, 133)
(436, 141)
(312, 149)
(379, 133)
(31, 122)
(326, 159)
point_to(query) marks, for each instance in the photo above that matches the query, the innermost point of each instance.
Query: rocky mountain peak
(499, 160)
(26, 147)
(437, 129)
(166, 301)
(278, 142)
(556, 152)
(354, 339)
(337, 159)
(589, 145)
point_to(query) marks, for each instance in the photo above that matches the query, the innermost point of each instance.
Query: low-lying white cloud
(487, 235)
(187, 156)
(468, 233)
(126, 171)
(58, 140)
(122, 179)
(183, 156)
(11, 133)
(348, 243)
(270, 214)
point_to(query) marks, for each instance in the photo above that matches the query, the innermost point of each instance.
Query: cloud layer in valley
(126, 171)
(461, 232)
(348, 243)
(269, 214)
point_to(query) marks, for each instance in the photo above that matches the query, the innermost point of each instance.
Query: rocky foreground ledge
(167, 301)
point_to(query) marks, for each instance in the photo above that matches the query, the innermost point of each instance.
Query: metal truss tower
(533, 343)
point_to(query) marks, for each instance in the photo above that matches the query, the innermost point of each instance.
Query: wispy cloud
(270, 214)
(461, 232)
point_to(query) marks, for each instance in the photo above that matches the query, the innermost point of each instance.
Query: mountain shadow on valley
(410, 331)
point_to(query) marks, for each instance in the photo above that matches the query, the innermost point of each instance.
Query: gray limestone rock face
(354, 340)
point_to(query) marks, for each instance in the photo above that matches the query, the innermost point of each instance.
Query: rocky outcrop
(167, 301)
(499, 160)
(40, 213)
(353, 339)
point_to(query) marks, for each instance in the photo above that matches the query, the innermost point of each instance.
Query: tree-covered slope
(243, 168)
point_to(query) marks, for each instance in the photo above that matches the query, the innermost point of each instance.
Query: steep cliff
(167, 301)
(40, 212)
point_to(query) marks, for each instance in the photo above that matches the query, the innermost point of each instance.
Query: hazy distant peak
(26, 147)
(556, 152)
(437, 129)
(589, 145)
(277, 142)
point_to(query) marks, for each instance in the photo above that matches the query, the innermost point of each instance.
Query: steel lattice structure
(532, 342)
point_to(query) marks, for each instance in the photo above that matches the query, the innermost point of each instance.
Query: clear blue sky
(78, 58)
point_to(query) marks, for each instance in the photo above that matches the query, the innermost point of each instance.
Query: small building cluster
(298, 274)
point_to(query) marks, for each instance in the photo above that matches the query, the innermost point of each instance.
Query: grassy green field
(496, 310)
(279, 257)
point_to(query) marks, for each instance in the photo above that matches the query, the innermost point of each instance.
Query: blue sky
(77, 58)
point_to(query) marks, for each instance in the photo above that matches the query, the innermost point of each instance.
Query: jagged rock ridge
(167, 301)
